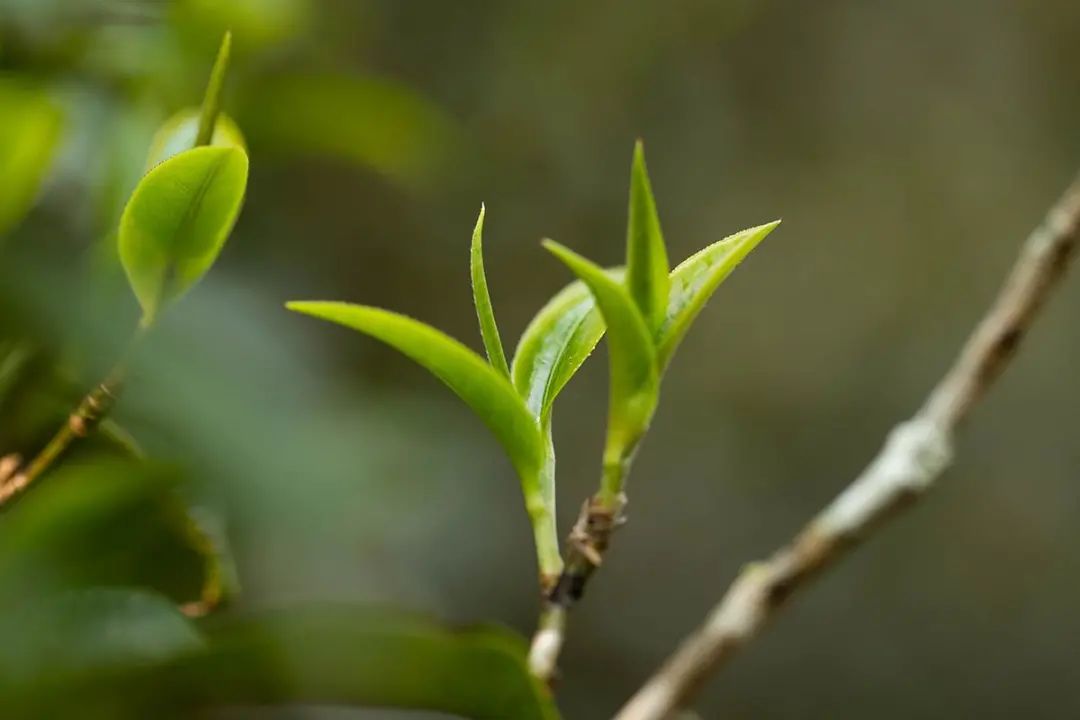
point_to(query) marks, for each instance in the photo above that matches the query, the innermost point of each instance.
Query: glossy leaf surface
(177, 221)
(555, 344)
(634, 377)
(490, 395)
(695, 280)
(489, 330)
(646, 256)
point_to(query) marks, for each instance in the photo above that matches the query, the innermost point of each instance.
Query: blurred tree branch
(916, 452)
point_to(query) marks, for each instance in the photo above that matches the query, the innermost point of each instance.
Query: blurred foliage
(908, 147)
(29, 128)
(99, 563)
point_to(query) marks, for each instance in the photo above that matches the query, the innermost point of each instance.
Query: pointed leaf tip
(212, 99)
(646, 254)
(485, 313)
(695, 280)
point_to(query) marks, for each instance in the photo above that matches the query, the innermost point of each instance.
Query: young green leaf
(554, 345)
(30, 126)
(177, 221)
(179, 132)
(634, 377)
(489, 394)
(696, 278)
(646, 256)
(489, 330)
(212, 99)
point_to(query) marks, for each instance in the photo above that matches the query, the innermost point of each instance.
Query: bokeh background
(908, 147)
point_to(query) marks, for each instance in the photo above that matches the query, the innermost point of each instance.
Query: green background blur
(908, 146)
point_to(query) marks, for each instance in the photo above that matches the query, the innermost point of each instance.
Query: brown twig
(915, 454)
(82, 421)
(586, 545)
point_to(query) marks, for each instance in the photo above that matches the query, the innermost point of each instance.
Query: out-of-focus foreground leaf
(89, 631)
(101, 523)
(695, 280)
(338, 655)
(377, 657)
(177, 221)
(29, 129)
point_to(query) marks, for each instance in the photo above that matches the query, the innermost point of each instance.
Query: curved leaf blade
(554, 345)
(646, 256)
(30, 127)
(695, 280)
(177, 221)
(489, 329)
(489, 394)
(634, 375)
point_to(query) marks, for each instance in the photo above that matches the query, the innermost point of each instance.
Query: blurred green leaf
(178, 134)
(211, 104)
(375, 657)
(695, 280)
(257, 24)
(646, 256)
(554, 345)
(103, 523)
(330, 655)
(489, 329)
(92, 630)
(365, 120)
(30, 126)
(634, 376)
(177, 221)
